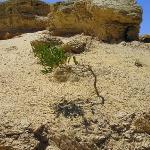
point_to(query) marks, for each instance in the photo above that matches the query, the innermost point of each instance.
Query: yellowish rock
(109, 20)
(22, 16)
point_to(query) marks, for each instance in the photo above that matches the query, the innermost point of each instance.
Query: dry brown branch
(89, 68)
(95, 85)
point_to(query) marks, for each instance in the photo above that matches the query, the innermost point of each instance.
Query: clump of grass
(142, 124)
(62, 74)
(49, 54)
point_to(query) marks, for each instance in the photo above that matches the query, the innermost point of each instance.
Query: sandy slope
(26, 94)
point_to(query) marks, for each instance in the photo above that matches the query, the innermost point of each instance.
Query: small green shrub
(49, 55)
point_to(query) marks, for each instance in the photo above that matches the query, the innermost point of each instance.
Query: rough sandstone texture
(109, 20)
(22, 16)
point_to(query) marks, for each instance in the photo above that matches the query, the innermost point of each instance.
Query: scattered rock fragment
(74, 47)
(145, 38)
(138, 63)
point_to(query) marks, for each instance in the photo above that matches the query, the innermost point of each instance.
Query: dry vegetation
(142, 124)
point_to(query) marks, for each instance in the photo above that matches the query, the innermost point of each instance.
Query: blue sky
(145, 26)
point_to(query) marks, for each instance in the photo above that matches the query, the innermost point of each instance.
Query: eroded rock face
(109, 20)
(18, 16)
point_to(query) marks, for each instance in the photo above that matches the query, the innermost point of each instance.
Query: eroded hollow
(68, 109)
(41, 135)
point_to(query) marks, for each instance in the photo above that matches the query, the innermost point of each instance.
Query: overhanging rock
(109, 20)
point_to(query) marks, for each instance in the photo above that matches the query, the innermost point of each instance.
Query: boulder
(20, 16)
(74, 46)
(109, 20)
(145, 38)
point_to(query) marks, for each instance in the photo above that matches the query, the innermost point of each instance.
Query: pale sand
(26, 94)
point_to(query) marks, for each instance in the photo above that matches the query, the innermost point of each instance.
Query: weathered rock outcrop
(22, 16)
(109, 20)
(145, 38)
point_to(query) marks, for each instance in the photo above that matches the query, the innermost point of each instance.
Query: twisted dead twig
(89, 68)
(95, 85)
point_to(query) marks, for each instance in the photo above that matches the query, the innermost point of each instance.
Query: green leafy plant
(49, 55)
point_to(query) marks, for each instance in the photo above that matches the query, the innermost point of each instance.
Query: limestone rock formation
(21, 16)
(109, 20)
(145, 38)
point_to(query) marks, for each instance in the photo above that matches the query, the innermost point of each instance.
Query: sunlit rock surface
(109, 20)
(22, 16)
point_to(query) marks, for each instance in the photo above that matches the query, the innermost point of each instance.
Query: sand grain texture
(27, 97)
